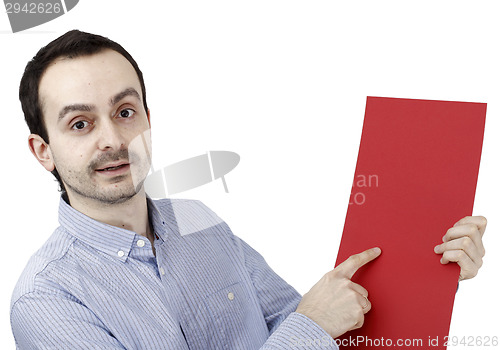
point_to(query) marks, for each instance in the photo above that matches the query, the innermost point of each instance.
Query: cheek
(140, 146)
(70, 156)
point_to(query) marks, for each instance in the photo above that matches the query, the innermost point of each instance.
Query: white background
(284, 85)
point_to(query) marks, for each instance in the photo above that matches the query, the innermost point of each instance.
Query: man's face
(93, 110)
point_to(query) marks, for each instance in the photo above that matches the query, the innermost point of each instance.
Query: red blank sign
(415, 177)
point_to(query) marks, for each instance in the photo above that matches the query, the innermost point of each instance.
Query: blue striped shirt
(96, 286)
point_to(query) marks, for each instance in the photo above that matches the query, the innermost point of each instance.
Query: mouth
(114, 168)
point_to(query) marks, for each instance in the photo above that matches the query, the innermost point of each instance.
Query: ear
(41, 151)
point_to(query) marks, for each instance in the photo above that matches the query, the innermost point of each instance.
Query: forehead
(88, 79)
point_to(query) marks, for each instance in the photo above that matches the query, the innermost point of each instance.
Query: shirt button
(162, 271)
(140, 243)
(230, 296)
(121, 253)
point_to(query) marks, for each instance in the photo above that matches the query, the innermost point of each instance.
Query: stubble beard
(118, 189)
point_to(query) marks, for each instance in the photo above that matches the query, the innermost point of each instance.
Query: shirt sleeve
(57, 321)
(288, 329)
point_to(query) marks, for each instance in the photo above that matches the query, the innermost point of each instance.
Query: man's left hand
(463, 244)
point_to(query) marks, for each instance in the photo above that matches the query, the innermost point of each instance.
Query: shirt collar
(114, 241)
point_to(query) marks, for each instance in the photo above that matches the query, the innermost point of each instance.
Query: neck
(131, 215)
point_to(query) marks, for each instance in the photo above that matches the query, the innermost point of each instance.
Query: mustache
(106, 158)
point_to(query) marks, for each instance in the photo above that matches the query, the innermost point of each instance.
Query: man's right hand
(336, 303)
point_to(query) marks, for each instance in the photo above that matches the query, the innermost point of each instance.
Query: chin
(116, 191)
(118, 195)
(108, 195)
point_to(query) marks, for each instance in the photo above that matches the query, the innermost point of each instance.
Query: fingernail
(377, 250)
(437, 249)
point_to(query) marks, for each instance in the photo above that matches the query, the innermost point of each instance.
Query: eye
(127, 113)
(79, 125)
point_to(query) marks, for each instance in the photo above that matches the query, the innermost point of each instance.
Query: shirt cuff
(298, 331)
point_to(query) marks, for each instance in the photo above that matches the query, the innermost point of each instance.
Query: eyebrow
(81, 107)
(121, 95)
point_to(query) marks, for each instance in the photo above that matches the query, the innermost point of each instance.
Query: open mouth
(114, 169)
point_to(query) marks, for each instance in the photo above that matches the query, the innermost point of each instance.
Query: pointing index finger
(356, 261)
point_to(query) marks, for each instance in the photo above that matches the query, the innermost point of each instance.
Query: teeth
(112, 168)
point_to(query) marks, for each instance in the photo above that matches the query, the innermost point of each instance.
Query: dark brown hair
(73, 44)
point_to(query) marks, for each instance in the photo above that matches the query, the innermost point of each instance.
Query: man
(125, 272)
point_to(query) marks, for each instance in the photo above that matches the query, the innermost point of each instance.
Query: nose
(110, 137)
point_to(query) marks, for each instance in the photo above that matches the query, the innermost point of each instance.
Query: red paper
(415, 177)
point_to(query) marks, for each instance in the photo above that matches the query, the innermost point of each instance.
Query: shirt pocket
(226, 319)
(234, 318)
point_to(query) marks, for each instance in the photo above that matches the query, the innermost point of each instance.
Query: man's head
(84, 101)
